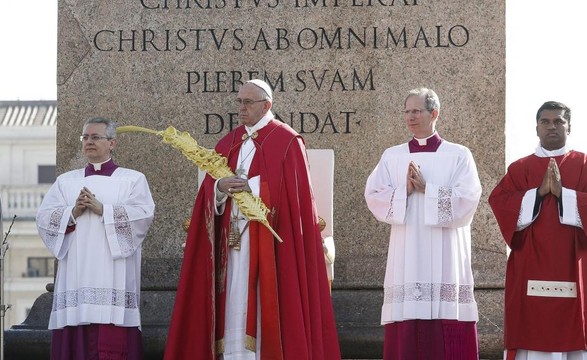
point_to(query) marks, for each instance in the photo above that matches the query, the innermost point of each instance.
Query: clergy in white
(428, 190)
(94, 221)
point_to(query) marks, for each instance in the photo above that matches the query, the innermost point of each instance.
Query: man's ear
(267, 105)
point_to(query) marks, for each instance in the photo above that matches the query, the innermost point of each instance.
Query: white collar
(98, 166)
(542, 152)
(260, 124)
(424, 141)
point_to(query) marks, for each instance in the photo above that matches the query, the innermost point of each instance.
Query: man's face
(552, 129)
(252, 107)
(99, 149)
(420, 121)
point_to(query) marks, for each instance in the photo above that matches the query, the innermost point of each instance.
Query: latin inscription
(321, 41)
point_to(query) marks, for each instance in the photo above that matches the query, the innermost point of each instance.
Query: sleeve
(527, 213)
(506, 201)
(126, 223)
(52, 219)
(454, 205)
(386, 200)
(570, 215)
(220, 199)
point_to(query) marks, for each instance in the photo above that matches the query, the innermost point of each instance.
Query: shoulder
(278, 136)
(129, 173)
(279, 133)
(77, 173)
(451, 146)
(227, 141)
(283, 129)
(458, 150)
(396, 150)
(577, 154)
(524, 164)
(232, 134)
(524, 160)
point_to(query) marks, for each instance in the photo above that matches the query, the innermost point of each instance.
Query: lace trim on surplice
(94, 296)
(123, 230)
(390, 211)
(444, 205)
(52, 232)
(426, 292)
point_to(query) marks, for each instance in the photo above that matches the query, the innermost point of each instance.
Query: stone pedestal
(357, 312)
(340, 70)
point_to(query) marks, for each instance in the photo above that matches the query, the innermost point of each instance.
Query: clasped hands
(87, 200)
(551, 182)
(415, 180)
(233, 184)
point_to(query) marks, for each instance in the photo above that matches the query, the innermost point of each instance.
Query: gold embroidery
(252, 136)
(250, 343)
(234, 236)
(220, 347)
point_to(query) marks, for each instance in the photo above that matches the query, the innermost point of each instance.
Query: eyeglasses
(415, 112)
(248, 102)
(94, 138)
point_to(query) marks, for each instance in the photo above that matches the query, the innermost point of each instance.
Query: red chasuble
(297, 319)
(546, 250)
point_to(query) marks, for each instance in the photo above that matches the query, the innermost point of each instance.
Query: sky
(543, 40)
(28, 48)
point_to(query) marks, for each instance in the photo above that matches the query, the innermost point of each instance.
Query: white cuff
(219, 195)
(525, 217)
(570, 210)
(71, 221)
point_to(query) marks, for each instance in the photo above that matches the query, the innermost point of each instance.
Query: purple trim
(432, 144)
(107, 169)
(431, 340)
(97, 341)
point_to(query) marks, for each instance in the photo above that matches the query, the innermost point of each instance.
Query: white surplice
(99, 270)
(428, 273)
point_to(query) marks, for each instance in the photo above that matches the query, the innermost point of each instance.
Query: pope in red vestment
(288, 294)
(541, 208)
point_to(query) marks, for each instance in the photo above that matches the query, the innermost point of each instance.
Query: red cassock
(545, 250)
(297, 318)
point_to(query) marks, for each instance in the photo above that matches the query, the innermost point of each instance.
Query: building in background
(27, 170)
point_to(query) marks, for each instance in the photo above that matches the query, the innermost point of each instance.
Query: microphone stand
(3, 307)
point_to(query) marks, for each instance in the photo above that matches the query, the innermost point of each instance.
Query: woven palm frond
(214, 164)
